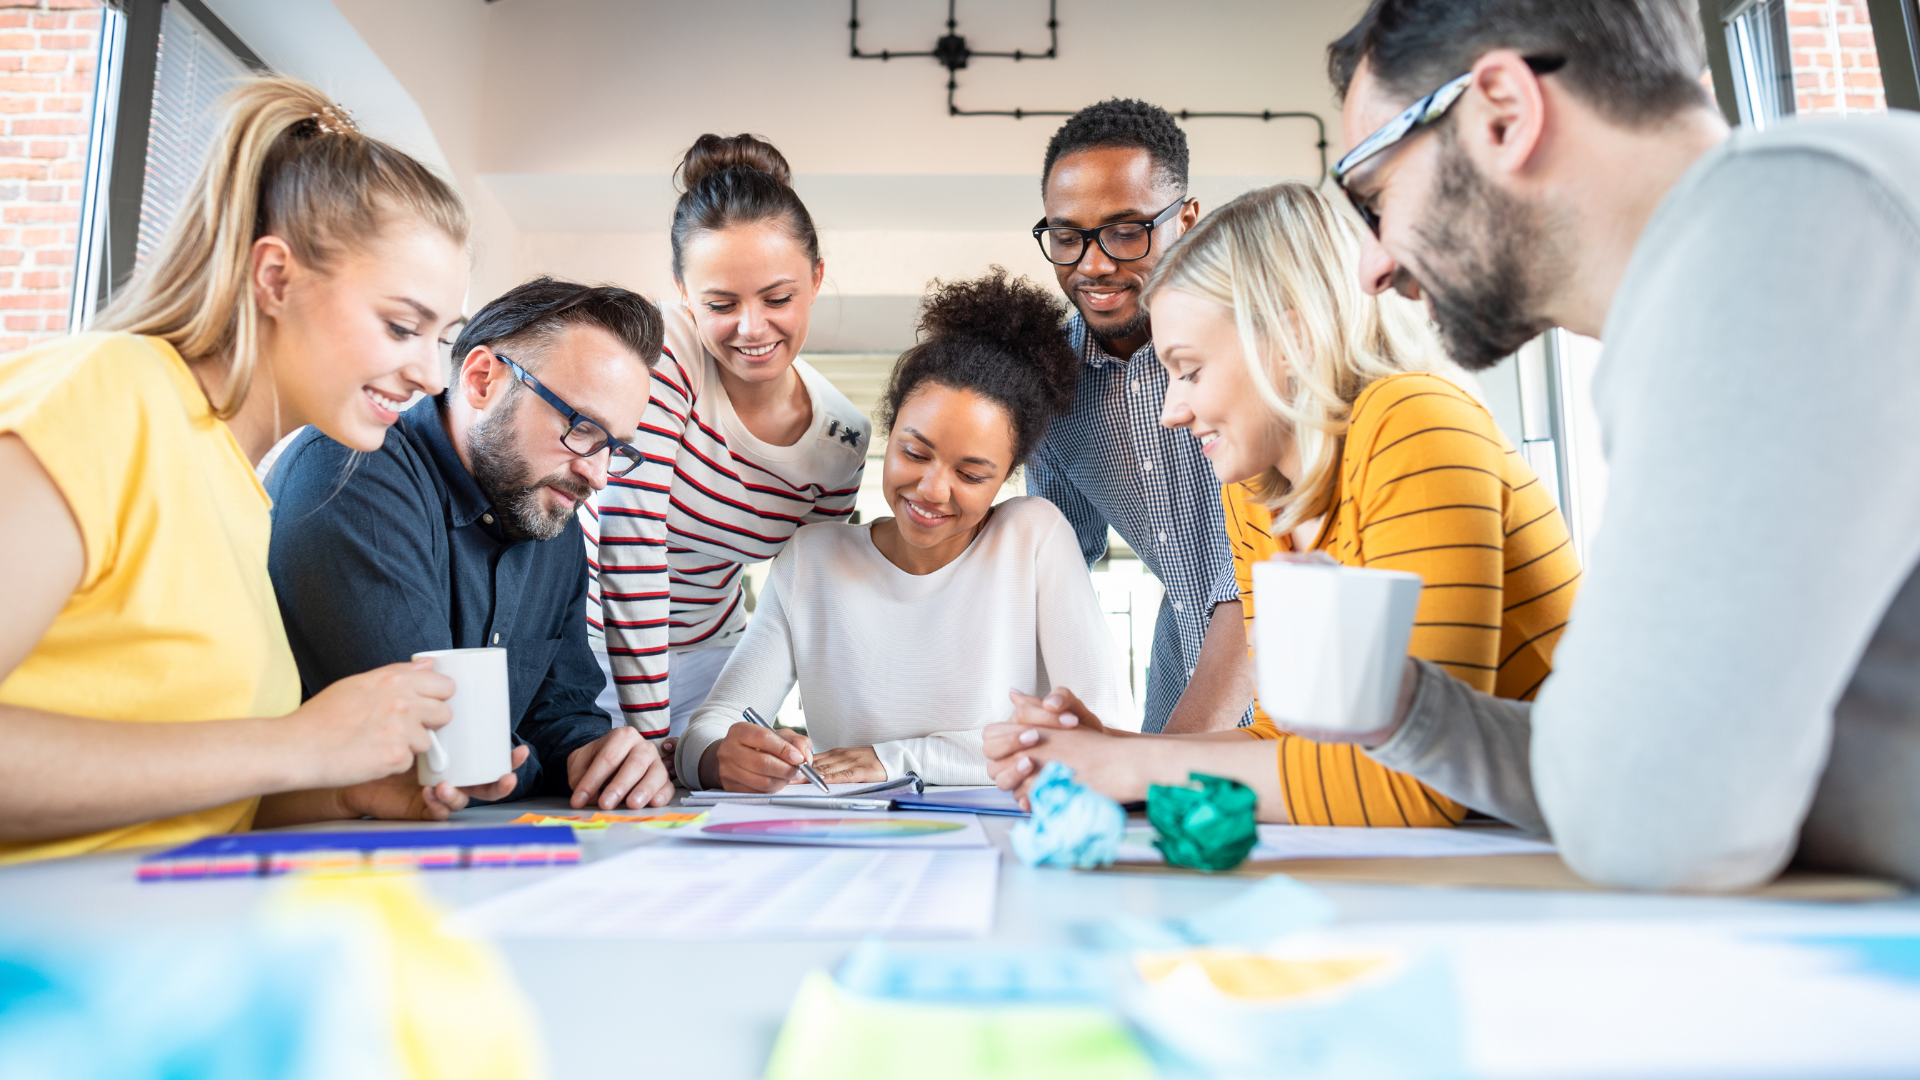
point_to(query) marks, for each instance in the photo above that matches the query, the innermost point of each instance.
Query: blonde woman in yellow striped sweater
(1336, 424)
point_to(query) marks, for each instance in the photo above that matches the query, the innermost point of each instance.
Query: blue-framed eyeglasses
(1420, 114)
(584, 437)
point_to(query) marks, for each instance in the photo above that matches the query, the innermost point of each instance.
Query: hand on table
(751, 758)
(1112, 766)
(618, 768)
(851, 765)
(401, 797)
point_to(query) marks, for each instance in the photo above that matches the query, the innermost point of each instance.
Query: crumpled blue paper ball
(1071, 825)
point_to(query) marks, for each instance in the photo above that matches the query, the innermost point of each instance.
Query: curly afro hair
(1123, 122)
(999, 337)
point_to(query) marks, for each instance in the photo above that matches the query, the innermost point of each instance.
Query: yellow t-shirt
(1427, 484)
(175, 618)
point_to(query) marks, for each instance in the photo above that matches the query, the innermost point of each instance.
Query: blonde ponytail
(287, 163)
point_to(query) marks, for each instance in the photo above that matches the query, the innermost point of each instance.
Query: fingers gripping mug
(477, 746)
(1330, 642)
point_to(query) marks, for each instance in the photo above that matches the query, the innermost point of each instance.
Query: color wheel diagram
(835, 828)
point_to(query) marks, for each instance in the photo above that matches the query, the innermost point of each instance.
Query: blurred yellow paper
(831, 1034)
(601, 821)
(457, 1013)
(1241, 974)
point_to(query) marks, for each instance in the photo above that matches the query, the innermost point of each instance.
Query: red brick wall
(1823, 30)
(47, 54)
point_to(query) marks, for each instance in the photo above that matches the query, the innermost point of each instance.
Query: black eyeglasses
(584, 437)
(1421, 114)
(1123, 241)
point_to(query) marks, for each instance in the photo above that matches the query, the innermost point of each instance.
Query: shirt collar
(426, 425)
(1095, 355)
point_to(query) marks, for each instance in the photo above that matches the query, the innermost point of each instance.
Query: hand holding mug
(371, 725)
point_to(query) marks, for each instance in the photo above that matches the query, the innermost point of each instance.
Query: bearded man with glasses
(460, 532)
(1735, 689)
(1114, 186)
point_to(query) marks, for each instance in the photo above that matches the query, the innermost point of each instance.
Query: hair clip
(334, 120)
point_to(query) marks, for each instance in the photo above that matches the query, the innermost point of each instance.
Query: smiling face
(513, 446)
(1210, 391)
(1096, 187)
(947, 456)
(750, 288)
(348, 346)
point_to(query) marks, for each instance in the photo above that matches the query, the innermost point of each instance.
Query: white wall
(563, 119)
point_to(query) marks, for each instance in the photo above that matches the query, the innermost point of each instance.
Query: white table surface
(711, 1009)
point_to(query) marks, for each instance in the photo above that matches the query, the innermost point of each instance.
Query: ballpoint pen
(805, 766)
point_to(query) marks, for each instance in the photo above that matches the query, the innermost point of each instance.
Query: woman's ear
(819, 274)
(272, 267)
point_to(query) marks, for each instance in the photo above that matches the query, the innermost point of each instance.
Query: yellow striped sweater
(1427, 484)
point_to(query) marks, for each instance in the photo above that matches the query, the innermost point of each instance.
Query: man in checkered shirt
(1115, 190)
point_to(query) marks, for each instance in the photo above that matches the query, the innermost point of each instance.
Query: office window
(1802, 58)
(1763, 79)
(192, 71)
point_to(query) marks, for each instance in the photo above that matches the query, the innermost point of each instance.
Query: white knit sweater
(915, 666)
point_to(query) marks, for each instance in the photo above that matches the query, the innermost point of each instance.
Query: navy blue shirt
(379, 556)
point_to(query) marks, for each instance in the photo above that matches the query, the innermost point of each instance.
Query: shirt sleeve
(629, 560)
(358, 567)
(1759, 434)
(758, 675)
(1047, 480)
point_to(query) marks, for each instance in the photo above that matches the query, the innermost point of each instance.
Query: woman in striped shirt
(744, 442)
(1327, 415)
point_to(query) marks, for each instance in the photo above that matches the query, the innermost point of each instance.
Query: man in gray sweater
(1740, 682)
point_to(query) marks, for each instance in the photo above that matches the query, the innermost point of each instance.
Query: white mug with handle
(1330, 642)
(477, 746)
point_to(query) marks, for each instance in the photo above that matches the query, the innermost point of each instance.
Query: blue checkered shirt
(1109, 462)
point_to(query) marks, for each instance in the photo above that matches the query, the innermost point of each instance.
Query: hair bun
(711, 154)
(1013, 314)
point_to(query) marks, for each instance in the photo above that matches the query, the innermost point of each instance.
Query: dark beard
(502, 474)
(1482, 292)
(1125, 330)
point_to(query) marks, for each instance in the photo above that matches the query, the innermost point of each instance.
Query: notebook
(966, 800)
(886, 789)
(264, 854)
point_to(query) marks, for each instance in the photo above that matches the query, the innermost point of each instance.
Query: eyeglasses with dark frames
(584, 437)
(1123, 241)
(1415, 117)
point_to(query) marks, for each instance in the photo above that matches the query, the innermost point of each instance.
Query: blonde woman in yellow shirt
(1335, 424)
(147, 694)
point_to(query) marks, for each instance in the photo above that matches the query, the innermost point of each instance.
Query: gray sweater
(1740, 682)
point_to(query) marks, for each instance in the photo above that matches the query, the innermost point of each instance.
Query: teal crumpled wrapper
(1210, 827)
(1071, 825)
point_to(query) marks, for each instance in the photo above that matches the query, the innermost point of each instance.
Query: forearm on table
(1473, 748)
(1221, 688)
(1169, 760)
(66, 775)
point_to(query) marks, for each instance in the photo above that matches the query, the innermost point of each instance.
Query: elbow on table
(1671, 859)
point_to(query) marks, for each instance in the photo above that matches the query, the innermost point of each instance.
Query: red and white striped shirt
(667, 544)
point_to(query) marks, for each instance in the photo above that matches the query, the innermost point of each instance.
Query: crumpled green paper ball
(1210, 827)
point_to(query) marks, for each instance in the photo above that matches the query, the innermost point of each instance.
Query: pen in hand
(806, 767)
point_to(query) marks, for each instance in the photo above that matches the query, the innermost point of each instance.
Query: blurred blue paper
(1071, 824)
(241, 1005)
(1404, 1024)
(971, 976)
(1886, 956)
(1267, 911)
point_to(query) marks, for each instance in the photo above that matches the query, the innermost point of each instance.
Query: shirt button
(488, 518)
(496, 637)
(1134, 386)
(1146, 466)
(1162, 537)
(1176, 607)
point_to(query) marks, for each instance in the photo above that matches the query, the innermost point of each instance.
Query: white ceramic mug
(1330, 642)
(477, 747)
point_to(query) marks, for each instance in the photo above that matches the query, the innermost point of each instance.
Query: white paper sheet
(837, 828)
(683, 891)
(885, 789)
(1330, 842)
